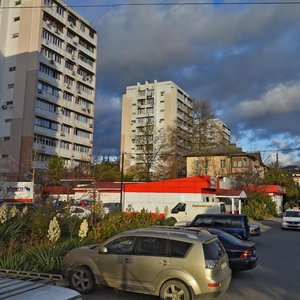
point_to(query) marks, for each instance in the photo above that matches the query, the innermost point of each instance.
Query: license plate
(223, 265)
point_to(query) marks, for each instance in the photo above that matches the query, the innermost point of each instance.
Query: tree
(107, 171)
(275, 175)
(202, 113)
(150, 143)
(55, 169)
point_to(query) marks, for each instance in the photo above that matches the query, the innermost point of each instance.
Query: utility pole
(122, 180)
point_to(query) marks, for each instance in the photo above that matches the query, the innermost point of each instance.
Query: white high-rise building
(158, 105)
(218, 132)
(47, 85)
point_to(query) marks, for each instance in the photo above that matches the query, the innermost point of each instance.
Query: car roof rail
(18, 274)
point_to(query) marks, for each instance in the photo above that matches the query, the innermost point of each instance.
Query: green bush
(259, 206)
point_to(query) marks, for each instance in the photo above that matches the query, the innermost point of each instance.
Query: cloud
(281, 99)
(244, 59)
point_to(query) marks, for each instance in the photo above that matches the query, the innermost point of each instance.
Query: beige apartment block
(47, 85)
(158, 104)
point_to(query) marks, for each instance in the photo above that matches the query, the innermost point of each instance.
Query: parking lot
(275, 278)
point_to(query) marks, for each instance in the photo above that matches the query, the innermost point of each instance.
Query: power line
(164, 4)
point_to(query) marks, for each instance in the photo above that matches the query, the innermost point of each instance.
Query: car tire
(82, 280)
(174, 289)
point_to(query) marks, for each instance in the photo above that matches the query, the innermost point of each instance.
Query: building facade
(148, 110)
(47, 85)
(224, 161)
(218, 132)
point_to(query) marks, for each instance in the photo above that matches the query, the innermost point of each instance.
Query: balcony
(48, 78)
(45, 131)
(47, 113)
(41, 93)
(54, 14)
(53, 47)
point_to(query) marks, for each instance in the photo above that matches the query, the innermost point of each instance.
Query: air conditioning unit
(62, 134)
(75, 43)
(83, 108)
(4, 106)
(68, 86)
(91, 125)
(84, 78)
(52, 62)
(73, 73)
(88, 110)
(73, 56)
(40, 91)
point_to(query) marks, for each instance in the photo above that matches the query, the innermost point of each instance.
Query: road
(276, 277)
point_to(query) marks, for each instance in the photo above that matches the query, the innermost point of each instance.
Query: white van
(187, 211)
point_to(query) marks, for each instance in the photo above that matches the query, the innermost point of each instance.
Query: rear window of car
(178, 248)
(213, 250)
(152, 246)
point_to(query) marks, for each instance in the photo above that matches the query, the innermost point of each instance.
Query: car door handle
(164, 263)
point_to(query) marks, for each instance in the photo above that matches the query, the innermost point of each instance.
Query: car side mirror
(102, 250)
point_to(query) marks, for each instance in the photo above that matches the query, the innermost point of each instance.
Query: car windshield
(292, 213)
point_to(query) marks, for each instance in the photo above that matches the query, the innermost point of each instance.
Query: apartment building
(158, 106)
(47, 85)
(218, 131)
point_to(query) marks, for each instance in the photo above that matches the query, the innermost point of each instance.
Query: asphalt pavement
(276, 277)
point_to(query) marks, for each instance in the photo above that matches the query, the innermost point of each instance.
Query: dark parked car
(111, 207)
(242, 254)
(236, 225)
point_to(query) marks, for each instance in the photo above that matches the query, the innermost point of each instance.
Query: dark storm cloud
(243, 59)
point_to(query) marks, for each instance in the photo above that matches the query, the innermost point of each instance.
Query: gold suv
(156, 261)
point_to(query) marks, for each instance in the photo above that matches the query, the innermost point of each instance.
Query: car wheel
(174, 290)
(82, 280)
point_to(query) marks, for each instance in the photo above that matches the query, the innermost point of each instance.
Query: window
(203, 221)
(10, 85)
(82, 27)
(220, 222)
(15, 35)
(11, 69)
(152, 246)
(17, 3)
(7, 120)
(213, 250)
(4, 156)
(122, 245)
(223, 163)
(16, 19)
(6, 138)
(60, 10)
(179, 249)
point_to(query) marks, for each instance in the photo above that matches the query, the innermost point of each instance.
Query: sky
(242, 58)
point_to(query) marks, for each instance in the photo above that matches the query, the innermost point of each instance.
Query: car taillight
(216, 284)
(247, 253)
(211, 264)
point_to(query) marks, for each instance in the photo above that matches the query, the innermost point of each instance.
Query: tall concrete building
(218, 132)
(47, 85)
(158, 105)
